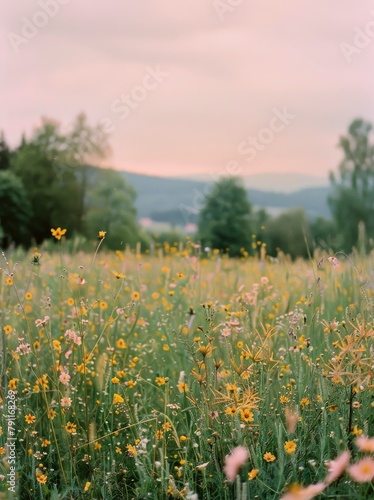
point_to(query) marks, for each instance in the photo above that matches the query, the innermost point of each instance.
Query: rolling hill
(177, 200)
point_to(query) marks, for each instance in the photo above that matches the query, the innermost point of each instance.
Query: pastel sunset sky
(187, 86)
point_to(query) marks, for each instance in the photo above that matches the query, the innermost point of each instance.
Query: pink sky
(222, 76)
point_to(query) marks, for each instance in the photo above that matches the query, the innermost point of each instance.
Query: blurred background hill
(160, 198)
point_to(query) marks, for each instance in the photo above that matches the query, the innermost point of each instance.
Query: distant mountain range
(285, 182)
(178, 200)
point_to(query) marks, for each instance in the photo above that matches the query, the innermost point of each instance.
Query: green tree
(225, 219)
(261, 219)
(111, 208)
(15, 210)
(52, 164)
(289, 232)
(4, 153)
(54, 199)
(325, 234)
(71, 152)
(352, 198)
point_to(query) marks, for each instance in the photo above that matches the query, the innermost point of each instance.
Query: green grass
(178, 363)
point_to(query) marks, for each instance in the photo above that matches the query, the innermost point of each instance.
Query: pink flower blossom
(72, 335)
(362, 471)
(365, 444)
(333, 261)
(64, 378)
(235, 461)
(41, 322)
(23, 347)
(297, 492)
(226, 332)
(337, 467)
(66, 402)
(291, 420)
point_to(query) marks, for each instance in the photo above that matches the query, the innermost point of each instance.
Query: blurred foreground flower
(235, 461)
(365, 444)
(298, 492)
(337, 467)
(291, 420)
(362, 471)
(333, 261)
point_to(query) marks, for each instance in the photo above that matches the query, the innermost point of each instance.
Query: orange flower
(30, 419)
(160, 381)
(182, 387)
(13, 384)
(231, 410)
(7, 329)
(131, 450)
(252, 474)
(269, 457)
(41, 478)
(246, 415)
(121, 344)
(290, 447)
(71, 428)
(117, 398)
(119, 275)
(58, 233)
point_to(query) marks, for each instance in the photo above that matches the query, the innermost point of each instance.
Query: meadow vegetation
(186, 374)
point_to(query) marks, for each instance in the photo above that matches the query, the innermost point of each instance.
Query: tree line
(228, 221)
(49, 180)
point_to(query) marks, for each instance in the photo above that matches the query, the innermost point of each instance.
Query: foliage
(79, 145)
(325, 234)
(289, 232)
(64, 191)
(15, 210)
(53, 197)
(352, 200)
(168, 239)
(4, 153)
(135, 376)
(225, 219)
(111, 204)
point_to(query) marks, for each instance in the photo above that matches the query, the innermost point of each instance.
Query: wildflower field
(185, 374)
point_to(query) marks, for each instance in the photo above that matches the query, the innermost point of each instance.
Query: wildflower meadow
(182, 373)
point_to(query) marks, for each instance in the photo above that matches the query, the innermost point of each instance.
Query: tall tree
(289, 232)
(15, 210)
(111, 208)
(71, 151)
(352, 199)
(52, 166)
(225, 219)
(325, 234)
(4, 153)
(53, 198)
